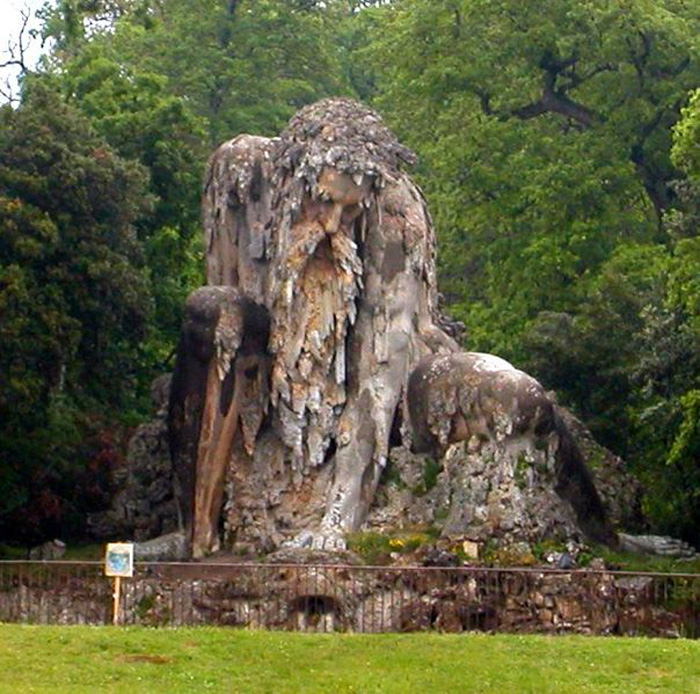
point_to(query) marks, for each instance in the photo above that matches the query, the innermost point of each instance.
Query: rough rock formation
(501, 491)
(292, 378)
(48, 551)
(415, 490)
(145, 506)
(511, 431)
(620, 491)
(660, 545)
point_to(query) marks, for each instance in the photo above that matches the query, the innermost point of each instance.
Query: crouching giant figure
(317, 344)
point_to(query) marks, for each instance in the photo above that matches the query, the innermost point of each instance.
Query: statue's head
(331, 158)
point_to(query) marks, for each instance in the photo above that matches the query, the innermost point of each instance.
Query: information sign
(119, 559)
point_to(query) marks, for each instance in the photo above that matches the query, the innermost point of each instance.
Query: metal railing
(364, 599)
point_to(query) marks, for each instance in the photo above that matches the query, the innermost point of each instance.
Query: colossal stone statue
(318, 344)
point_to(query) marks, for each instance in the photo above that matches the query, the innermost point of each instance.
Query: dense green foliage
(546, 138)
(559, 147)
(74, 297)
(566, 243)
(87, 659)
(240, 65)
(153, 86)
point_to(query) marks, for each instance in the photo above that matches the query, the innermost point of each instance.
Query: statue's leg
(187, 399)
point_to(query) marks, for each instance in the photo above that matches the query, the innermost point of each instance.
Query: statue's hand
(321, 539)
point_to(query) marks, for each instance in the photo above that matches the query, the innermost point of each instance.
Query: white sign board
(119, 559)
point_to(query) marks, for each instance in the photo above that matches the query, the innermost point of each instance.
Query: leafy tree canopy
(545, 135)
(74, 292)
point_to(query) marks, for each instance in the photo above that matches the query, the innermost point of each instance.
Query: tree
(588, 354)
(544, 134)
(95, 274)
(75, 301)
(629, 357)
(144, 122)
(568, 242)
(243, 65)
(164, 82)
(686, 153)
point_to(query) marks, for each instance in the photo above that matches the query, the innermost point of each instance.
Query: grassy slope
(102, 659)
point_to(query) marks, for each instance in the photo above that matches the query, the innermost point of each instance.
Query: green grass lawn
(104, 659)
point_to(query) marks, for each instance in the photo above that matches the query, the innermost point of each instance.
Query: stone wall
(365, 600)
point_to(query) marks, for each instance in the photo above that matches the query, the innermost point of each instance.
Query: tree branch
(639, 60)
(16, 51)
(577, 80)
(655, 184)
(12, 62)
(558, 102)
(7, 93)
(555, 100)
(673, 71)
(485, 100)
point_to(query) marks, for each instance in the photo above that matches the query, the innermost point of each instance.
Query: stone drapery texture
(316, 347)
(144, 507)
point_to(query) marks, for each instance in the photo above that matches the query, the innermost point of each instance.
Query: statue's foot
(658, 545)
(321, 540)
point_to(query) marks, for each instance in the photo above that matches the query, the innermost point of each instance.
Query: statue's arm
(237, 209)
(394, 310)
(222, 347)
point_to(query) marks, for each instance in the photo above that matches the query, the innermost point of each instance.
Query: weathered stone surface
(475, 398)
(48, 551)
(323, 231)
(402, 500)
(519, 469)
(505, 491)
(293, 388)
(620, 491)
(170, 547)
(144, 507)
(657, 544)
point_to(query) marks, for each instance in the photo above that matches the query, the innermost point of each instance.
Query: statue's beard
(313, 316)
